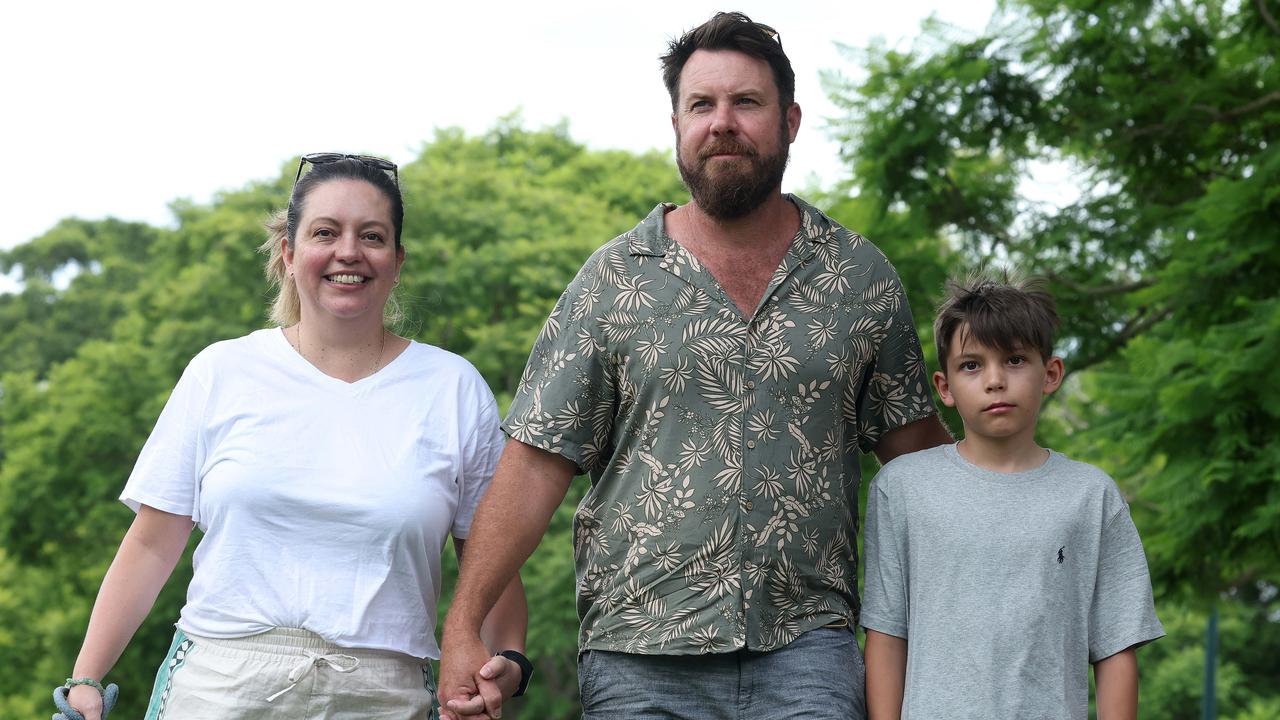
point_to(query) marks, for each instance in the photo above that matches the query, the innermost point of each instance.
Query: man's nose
(723, 120)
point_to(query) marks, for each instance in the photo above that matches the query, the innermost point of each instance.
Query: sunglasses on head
(322, 158)
(773, 35)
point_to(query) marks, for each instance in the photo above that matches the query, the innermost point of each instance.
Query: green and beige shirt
(722, 451)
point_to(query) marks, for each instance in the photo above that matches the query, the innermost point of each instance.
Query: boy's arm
(887, 675)
(1117, 681)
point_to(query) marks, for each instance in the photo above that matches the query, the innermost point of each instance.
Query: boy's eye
(1017, 359)
(969, 365)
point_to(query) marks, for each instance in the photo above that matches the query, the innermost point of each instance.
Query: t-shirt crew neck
(1051, 465)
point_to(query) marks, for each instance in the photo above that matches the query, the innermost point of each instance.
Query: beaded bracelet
(72, 682)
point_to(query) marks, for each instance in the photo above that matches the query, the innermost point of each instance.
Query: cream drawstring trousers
(288, 674)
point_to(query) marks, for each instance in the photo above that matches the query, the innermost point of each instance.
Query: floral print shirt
(722, 450)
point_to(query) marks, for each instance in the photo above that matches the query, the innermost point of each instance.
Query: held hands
(476, 694)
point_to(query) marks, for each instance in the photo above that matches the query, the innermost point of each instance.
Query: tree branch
(1102, 290)
(1267, 17)
(1135, 327)
(1136, 132)
(1245, 109)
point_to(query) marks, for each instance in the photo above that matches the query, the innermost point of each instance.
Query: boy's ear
(1054, 371)
(944, 389)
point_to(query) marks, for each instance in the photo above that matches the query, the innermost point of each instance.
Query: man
(715, 371)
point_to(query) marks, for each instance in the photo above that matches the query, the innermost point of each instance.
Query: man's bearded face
(727, 189)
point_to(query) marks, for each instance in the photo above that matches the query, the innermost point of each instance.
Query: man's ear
(793, 121)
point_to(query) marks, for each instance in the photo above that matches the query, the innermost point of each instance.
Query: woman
(325, 460)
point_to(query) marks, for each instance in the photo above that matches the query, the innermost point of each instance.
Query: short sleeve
(896, 389)
(885, 599)
(167, 473)
(565, 403)
(481, 449)
(1123, 612)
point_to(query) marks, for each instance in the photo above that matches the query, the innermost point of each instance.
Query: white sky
(118, 108)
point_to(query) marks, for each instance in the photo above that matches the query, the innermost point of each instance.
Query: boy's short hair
(1004, 313)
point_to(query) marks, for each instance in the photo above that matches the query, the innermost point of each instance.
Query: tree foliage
(110, 313)
(1164, 265)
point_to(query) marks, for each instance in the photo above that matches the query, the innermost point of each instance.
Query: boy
(997, 570)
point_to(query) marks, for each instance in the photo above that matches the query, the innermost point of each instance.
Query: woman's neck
(346, 353)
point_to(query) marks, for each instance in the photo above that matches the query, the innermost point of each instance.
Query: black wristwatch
(526, 668)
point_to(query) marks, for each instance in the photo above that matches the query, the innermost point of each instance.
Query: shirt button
(751, 384)
(749, 506)
(751, 444)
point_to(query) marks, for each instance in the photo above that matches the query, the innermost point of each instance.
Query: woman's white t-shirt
(324, 504)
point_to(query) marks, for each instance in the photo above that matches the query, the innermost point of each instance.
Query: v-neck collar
(351, 389)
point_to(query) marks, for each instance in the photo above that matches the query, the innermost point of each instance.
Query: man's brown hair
(1004, 313)
(731, 31)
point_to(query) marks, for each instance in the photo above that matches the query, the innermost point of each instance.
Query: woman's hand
(86, 700)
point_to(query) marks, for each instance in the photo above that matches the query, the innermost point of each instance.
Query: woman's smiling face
(344, 258)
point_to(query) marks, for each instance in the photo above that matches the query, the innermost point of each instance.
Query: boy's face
(997, 393)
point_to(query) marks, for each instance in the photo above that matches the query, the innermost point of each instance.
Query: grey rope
(66, 712)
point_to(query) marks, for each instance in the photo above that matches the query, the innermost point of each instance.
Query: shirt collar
(650, 237)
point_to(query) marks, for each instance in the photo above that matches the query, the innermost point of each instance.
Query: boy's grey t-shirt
(1005, 585)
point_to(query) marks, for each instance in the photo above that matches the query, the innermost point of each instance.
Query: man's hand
(496, 681)
(462, 658)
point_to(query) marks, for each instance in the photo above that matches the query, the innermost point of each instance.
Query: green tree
(1164, 266)
(111, 312)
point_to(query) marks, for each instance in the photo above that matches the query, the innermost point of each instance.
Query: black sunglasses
(322, 158)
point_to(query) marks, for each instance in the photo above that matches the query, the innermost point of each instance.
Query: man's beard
(733, 190)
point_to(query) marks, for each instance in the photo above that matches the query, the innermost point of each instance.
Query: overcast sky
(118, 108)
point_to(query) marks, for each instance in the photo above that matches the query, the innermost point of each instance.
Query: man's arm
(504, 629)
(919, 435)
(1117, 681)
(527, 487)
(886, 675)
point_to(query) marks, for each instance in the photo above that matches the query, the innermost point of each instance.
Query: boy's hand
(886, 675)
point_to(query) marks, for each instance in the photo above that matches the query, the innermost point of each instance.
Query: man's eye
(373, 237)
(747, 101)
(324, 233)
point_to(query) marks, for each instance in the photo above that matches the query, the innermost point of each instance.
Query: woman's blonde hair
(285, 309)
